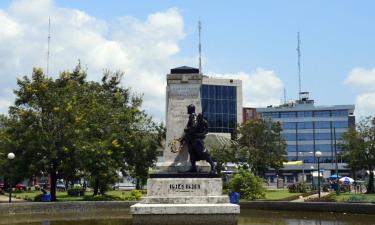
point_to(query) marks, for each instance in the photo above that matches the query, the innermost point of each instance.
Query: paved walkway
(5, 199)
(302, 199)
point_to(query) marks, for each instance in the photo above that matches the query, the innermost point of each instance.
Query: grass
(279, 195)
(63, 196)
(351, 197)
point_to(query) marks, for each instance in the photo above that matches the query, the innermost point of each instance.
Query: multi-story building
(308, 128)
(221, 103)
(249, 113)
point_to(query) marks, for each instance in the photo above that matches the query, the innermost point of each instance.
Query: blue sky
(248, 38)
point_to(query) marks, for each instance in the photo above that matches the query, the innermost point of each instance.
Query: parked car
(60, 186)
(21, 187)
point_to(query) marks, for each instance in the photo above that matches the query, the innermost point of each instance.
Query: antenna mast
(49, 39)
(200, 47)
(299, 65)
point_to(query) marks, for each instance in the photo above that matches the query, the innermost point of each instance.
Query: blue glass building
(221, 101)
(308, 128)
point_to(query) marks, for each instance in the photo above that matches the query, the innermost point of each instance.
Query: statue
(194, 135)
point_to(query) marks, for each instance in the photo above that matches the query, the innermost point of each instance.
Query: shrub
(248, 185)
(101, 198)
(38, 198)
(328, 198)
(76, 191)
(135, 195)
(297, 188)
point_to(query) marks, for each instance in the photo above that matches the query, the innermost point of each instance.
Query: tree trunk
(370, 186)
(53, 177)
(137, 184)
(96, 187)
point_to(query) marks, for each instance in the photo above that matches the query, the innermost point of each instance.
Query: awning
(299, 162)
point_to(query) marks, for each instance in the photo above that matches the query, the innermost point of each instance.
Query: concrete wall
(73, 207)
(61, 207)
(361, 208)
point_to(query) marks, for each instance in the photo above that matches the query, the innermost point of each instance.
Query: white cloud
(260, 87)
(363, 80)
(144, 50)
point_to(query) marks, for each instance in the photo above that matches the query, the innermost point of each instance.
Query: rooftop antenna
(299, 65)
(200, 47)
(49, 39)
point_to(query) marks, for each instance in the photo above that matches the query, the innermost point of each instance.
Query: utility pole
(336, 166)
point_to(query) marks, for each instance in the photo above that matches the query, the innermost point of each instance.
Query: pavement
(302, 199)
(5, 199)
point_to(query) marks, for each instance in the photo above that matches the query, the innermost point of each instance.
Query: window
(323, 147)
(305, 148)
(322, 125)
(287, 114)
(323, 136)
(339, 113)
(305, 137)
(219, 106)
(289, 136)
(340, 124)
(271, 114)
(305, 125)
(321, 113)
(288, 125)
(305, 114)
(291, 148)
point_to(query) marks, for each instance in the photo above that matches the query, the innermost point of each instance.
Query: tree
(260, 144)
(70, 127)
(359, 149)
(42, 124)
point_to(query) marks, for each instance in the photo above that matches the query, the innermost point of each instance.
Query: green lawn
(63, 196)
(350, 197)
(277, 195)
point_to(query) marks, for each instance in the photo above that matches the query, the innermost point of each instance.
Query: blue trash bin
(46, 198)
(234, 197)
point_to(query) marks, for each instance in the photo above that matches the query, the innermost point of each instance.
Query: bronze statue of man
(194, 135)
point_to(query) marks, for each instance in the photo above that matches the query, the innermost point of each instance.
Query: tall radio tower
(200, 47)
(49, 39)
(299, 65)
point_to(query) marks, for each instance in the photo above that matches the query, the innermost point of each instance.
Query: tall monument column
(183, 88)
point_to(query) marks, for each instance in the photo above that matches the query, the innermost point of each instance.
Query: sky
(254, 41)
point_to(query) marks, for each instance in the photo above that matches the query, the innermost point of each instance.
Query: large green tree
(359, 149)
(70, 127)
(261, 145)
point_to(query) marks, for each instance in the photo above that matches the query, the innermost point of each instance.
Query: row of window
(219, 106)
(316, 125)
(320, 113)
(310, 148)
(221, 122)
(310, 136)
(311, 159)
(218, 92)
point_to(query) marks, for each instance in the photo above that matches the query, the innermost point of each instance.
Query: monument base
(170, 197)
(179, 219)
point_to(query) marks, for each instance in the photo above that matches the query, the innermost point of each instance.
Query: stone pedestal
(195, 196)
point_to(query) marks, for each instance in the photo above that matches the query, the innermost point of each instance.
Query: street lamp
(317, 155)
(11, 156)
(303, 167)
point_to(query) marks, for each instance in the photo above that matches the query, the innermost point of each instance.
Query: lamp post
(303, 167)
(317, 155)
(11, 156)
